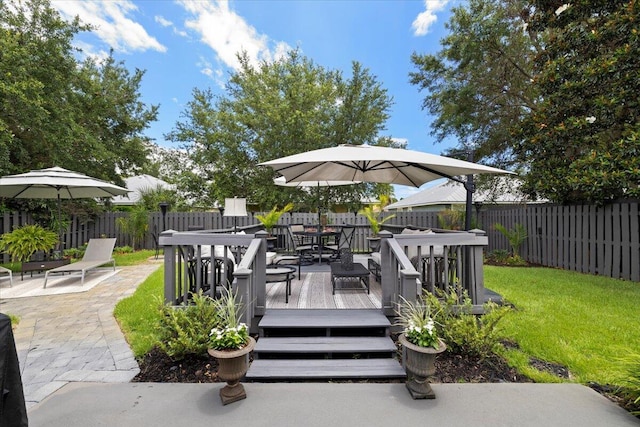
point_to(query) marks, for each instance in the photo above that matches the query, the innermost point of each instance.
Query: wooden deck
(313, 290)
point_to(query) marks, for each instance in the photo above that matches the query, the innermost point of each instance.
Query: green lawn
(139, 314)
(584, 322)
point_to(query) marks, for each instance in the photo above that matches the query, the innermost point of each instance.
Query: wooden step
(293, 345)
(274, 369)
(323, 318)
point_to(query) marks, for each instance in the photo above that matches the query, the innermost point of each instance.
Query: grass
(586, 323)
(132, 258)
(139, 314)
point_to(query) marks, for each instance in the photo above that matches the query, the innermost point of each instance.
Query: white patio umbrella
(366, 163)
(56, 183)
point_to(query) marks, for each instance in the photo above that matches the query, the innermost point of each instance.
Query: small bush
(464, 332)
(185, 330)
(123, 250)
(74, 253)
(499, 256)
(630, 389)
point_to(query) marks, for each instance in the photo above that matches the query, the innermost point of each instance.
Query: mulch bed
(156, 366)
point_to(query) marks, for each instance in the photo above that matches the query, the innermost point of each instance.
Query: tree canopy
(478, 85)
(550, 89)
(58, 110)
(582, 142)
(277, 109)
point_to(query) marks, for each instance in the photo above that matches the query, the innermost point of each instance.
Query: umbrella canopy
(282, 181)
(367, 163)
(56, 183)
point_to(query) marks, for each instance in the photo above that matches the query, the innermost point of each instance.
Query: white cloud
(227, 33)
(162, 21)
(112, 22)
(425, 19)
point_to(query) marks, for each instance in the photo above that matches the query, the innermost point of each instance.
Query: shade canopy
(367, 163)
(56, 183)
(282, 181)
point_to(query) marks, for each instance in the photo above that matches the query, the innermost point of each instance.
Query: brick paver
(74, 337)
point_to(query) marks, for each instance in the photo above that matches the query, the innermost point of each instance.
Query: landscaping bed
(156, 366)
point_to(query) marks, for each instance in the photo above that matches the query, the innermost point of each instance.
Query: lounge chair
(99, 252)
(4, 270)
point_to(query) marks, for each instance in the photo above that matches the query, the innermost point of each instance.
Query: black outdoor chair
(344, 241)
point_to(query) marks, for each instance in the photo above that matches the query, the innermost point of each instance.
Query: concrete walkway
(74, 337)
(326, 404)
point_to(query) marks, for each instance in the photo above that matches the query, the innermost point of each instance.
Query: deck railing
(409, 262)
(444, 260)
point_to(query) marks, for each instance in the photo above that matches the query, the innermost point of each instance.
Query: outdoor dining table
(319, 236)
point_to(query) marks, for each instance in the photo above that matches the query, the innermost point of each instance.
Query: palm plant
(270, 219)
(136, 224)
(515, 236)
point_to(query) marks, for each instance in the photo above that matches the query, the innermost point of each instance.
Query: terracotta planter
(232, 366)
(419, 362)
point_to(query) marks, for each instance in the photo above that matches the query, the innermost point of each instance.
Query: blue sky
(187, 44)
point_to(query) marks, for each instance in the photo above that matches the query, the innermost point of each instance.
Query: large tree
(55, 110)
(478, 86)
(277, 109)
(548, 88)
(582, 142)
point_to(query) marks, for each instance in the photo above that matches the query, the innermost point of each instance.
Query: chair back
(346, 237)
(99, 249)
(296, 240)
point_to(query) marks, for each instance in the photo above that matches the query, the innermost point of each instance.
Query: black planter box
(31, 266)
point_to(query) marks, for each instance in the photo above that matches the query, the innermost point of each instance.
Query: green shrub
(123, 250)
(74, 253)
(25, 241)
(498, 256)
(185, 330)
(630, 389)
(464, 332)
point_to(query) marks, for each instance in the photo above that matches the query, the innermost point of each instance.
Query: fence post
(169, 267)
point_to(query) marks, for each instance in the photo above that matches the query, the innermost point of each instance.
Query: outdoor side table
(281, 273)
(358, 272)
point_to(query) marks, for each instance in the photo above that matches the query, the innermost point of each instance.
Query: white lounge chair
(99, 252)
(4, 270)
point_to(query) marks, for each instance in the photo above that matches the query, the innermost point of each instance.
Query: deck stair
(321, 344)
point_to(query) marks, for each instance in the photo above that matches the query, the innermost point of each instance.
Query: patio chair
(302, 253)
(99, 252)
(4, 270)
(344, 241)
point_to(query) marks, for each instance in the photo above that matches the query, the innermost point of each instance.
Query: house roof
(138, 184)
(453, 193)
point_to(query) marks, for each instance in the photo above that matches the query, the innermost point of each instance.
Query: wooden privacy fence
(603, 240)
(589, 239)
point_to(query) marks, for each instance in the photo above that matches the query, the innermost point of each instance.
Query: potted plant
(420, 345)
(230, 344)
(374, 216)
(23, 242)
(270, 219)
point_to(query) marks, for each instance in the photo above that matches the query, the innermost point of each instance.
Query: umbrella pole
(319, 215)
(59, 226)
